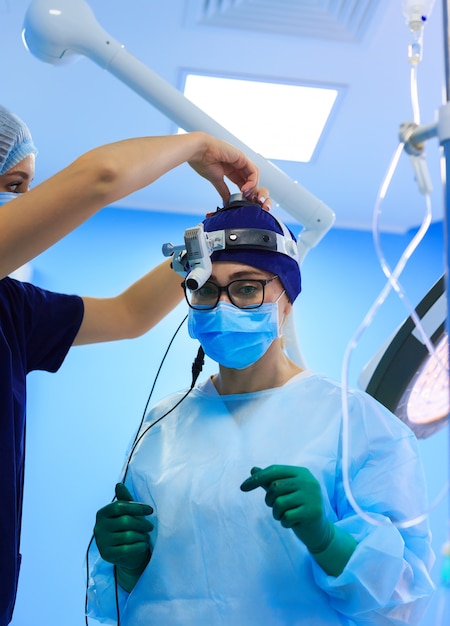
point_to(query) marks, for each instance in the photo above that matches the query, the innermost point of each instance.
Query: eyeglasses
(246, 293)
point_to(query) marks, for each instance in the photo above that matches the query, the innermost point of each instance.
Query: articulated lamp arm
(57, 30)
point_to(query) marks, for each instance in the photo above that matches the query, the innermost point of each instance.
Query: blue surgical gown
(219, 558)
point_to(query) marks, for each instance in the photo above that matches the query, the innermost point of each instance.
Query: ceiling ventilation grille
(338, 20)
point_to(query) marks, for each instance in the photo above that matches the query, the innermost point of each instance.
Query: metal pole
(445, 572)
(446, 155)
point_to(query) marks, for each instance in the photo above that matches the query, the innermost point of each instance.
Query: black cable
(197, 367)
(159, 371)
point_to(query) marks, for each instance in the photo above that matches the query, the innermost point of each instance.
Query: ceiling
(360, 46)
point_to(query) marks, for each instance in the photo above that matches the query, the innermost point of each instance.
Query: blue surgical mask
(235, 338)
(6, 196)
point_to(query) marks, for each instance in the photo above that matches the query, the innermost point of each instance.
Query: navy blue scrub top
(37, 328)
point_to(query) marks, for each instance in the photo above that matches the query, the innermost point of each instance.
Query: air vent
(338, 20)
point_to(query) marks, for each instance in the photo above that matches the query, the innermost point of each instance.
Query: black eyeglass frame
(262, 281)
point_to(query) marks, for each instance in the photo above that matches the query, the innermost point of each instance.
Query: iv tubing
(385, 266)
(414, 98)
(392, 282)
(392, 276)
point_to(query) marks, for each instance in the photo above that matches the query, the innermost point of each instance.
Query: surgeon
(37, 327)
(231, 508)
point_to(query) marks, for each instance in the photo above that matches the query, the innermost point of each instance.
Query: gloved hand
(296, 501)
(122, 535)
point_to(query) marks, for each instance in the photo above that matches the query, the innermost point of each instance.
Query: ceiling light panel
(279, 121)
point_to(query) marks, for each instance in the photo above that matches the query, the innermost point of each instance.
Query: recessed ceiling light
(278, 120)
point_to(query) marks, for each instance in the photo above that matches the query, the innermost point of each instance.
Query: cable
(144, 412)
(197, 367)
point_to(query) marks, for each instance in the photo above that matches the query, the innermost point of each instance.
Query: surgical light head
(241, 232)
(15, 140)
(58, 31)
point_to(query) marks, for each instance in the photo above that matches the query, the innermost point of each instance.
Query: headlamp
(194, 258)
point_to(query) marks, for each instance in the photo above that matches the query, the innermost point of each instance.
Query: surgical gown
(219, 558)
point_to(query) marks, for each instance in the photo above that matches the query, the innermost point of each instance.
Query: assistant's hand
(261, 196)
(122, 535)
(296, 501)
(218, 159)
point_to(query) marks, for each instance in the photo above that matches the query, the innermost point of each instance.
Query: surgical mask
(235, 338)
(6, 196)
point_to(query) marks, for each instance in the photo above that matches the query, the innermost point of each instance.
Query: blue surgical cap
(15, 140)
(253, 216)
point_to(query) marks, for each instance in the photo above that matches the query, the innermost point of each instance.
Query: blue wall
(81, 419)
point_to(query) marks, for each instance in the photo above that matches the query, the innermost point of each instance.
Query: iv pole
(446, 152)
(445, 572)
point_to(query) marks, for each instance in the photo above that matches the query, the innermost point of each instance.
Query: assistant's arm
(42, 216)
(133, 312)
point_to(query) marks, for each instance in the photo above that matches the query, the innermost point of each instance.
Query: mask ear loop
(292, 343)
(289, 329)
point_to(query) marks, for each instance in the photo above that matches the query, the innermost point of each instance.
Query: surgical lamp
(408, 379)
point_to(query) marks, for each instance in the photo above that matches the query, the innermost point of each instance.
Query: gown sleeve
(386, 581)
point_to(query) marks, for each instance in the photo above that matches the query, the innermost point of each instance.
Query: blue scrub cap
(15, 140)
(250, 216)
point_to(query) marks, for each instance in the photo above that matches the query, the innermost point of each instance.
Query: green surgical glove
(122, 535)
(296, 501)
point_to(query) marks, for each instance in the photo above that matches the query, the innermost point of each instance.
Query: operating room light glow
(279, 121)
(429, 394)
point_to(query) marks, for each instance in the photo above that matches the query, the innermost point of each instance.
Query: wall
(81, 419)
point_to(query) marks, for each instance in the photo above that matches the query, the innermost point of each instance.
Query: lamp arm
(56, 30)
